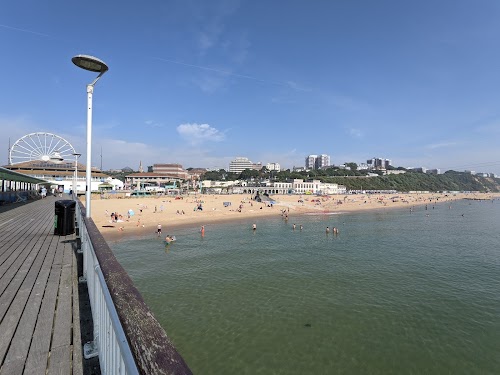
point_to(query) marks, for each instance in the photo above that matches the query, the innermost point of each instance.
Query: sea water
(395, 292)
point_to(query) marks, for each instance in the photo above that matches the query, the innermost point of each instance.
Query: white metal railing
(110, 342)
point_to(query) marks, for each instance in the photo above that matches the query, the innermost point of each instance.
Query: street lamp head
(90, 63)
(76, 154)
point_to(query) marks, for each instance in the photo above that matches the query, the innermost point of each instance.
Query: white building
(239, 164)
(317, 161)
(322, 161)
(273, 167)
(311, 161)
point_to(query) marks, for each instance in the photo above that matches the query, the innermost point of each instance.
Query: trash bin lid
(65, 203)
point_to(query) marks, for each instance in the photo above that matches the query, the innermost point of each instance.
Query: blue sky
(202, 82)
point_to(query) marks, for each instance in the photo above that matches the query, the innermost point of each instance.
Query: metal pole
(90, 90)
(74, 178)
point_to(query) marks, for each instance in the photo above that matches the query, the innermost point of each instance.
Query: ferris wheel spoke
(29, 149)
(34, 144)
(39, 146)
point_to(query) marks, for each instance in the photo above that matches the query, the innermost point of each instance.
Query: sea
(396, 291)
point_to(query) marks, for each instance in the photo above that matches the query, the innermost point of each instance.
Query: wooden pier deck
(39, 302)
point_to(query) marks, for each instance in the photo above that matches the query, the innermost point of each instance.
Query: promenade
(39, 302)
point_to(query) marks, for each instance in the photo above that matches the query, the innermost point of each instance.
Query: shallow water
(394, 292)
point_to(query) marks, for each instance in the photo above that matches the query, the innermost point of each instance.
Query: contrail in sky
(287, 84)
(24, 31)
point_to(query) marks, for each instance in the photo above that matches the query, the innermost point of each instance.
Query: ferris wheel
(40, 146)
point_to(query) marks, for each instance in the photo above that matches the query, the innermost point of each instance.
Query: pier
(41, 279)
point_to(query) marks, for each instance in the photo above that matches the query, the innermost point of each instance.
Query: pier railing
(127, 337)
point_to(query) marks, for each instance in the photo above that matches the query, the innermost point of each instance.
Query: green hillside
(412, 181)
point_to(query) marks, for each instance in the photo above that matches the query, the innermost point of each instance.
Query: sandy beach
(172, 212)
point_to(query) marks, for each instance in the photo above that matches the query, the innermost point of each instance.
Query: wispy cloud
(24, 30)
(289, 84)
(355, 133)
(434, 146)
(199, 133)
(153, 124)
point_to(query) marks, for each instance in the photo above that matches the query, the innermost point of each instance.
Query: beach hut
(105, 187)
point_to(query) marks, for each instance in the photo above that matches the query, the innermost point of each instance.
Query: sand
(172, 212)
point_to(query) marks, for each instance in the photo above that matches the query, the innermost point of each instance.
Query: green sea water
(396, 292)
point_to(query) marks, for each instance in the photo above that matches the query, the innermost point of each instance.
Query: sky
(202, 82)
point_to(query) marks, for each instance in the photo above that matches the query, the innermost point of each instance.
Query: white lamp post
(75, 184)
(94, 65)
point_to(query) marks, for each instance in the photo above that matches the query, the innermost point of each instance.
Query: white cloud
(199, 133)
(153, 124)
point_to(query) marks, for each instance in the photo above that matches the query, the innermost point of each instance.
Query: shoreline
(174, 213)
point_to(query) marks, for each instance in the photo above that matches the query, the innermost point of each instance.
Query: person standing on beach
(158, 230)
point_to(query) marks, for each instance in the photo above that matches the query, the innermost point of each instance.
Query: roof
(153, 174)
(50, 169)
(6, 174)
(46, 165)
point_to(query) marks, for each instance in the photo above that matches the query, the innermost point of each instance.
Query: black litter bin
(64, 220)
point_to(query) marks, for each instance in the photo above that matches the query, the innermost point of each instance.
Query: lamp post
(75, 184)
(94, 65)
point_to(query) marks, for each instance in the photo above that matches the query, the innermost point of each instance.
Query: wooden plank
(77, 337)
(20, 227)
(15, 275)
(21, 290)
(18, 350)
(38, 295)
(18, 252)
(14, 251)
(59, 361)
(40, 343)
(62, 321)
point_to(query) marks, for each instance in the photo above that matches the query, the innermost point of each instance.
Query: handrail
(123, 323)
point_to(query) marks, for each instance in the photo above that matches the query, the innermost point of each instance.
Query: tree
(353, 166)
(247, 174)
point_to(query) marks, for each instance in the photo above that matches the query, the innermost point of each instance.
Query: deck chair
(20, 199)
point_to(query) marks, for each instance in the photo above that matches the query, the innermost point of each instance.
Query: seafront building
(173, 170)
(62, 175)
(295, 186)
(239, 164)
(164, 175)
